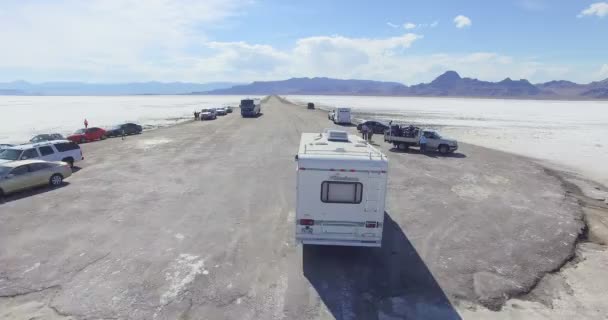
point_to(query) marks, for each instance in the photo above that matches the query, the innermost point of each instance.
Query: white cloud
(599, 9)
(392, 25)
(104, 37)
(603, 73)
(462, 21)
(409, 25)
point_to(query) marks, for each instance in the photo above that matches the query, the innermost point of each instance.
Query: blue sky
(246, 40)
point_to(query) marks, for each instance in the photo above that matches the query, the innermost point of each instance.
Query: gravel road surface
(196, 221)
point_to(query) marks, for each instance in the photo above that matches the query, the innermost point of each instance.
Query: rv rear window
(341, 192)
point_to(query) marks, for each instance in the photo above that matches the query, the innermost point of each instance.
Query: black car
(47, 137)
(375, 126)
(229, 109)
(128, 128)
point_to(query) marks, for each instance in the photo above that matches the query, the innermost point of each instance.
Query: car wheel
(103, 137)
(444, 149)
(56, 180)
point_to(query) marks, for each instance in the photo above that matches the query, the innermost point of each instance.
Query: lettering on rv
(340, 178)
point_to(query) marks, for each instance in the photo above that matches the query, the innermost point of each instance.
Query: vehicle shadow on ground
(30, 193)
(345, 124)
(363, 283)
(254, 117)
(76, 169)
(430, 154)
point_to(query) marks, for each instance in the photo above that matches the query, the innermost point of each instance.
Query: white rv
(342, 116)
(341, 188)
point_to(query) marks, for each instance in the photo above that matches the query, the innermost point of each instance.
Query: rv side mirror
(296, 158)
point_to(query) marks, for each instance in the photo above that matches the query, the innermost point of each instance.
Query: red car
(85, 135)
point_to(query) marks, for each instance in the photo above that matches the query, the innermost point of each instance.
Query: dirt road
(196, 222)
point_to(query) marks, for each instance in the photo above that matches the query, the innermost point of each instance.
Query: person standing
(370, 133)
(364, 130)
(86, 123)
(423, 143)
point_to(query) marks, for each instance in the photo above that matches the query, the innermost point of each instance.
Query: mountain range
(83, 88)
(449, 83)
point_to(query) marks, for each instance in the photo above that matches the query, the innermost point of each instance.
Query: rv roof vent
(337, 135)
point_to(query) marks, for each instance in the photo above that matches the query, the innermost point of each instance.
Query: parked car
(405, 136)
(375, 126)
(25, 174)
(208, 114)
(127, 128)
(58, 150)
(311, 106)
(47, 137)
(86, 135)
(229, 109)
(221, 111)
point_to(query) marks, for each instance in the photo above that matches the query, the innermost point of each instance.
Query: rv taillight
(371, 224)
(307, 222)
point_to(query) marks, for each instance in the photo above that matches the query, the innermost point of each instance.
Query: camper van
(341, 189)
(342, 116)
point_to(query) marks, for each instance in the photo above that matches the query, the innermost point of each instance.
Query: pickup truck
(403, 137)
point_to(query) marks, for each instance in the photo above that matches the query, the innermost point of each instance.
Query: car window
(45, 151)
(66, 146)
(39, 166)
(20, 170)
(29, 154)
(10, 154)
(79, 131)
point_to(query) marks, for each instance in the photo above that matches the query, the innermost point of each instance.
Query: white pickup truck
(403, 137)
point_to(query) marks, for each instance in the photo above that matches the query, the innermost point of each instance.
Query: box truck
(341, 189)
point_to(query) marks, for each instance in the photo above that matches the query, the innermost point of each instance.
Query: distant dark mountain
(316, 86)
(81, 88)
(451, 84)
(448, 84)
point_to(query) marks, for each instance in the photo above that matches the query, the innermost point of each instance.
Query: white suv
(57, 150)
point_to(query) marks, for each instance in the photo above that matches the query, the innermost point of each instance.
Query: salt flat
(569, 134)
(25, 116)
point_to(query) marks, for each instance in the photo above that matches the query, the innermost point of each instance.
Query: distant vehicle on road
(58, 150)
(375, 126)
(208, 114)
(127, 128)
(250, 108)
(221, 111)
(229, 109)
(21, 175)
(403, 137)
(47, 137)
(341, 190)
(310, 106)
(342, 116)
(88, 134)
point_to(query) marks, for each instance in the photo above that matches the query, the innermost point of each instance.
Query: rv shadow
(362, 283)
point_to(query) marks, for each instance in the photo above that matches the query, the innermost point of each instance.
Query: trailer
(341, 190)
(405, 136)
(250, 108)
(342, 116)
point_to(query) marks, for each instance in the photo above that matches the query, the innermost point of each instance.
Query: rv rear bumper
(340, 242)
